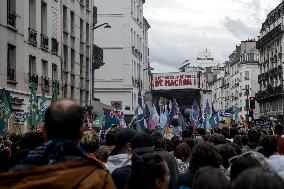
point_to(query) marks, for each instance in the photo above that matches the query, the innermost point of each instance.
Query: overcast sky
(182, 28)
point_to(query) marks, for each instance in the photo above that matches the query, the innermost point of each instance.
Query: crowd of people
(68, 155)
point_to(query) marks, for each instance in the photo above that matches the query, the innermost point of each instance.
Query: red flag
(244, 122)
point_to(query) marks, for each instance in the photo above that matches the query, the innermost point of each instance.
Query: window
(87, 67)
(32, 14)
(87, 33)
(43, 18)
(87, 4)
(65, 26)
(72, 61)
(72, 92)
(11, 13)
(81, 96)
(44, 68)
(81, 29)
(54, 72)
(11, 63)
(32, 65)
(87, 97)
(246, 75)
(72, 21)
(65, 91)
(65, 55)
(81, 65)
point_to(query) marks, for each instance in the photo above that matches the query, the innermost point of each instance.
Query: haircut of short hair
(63, 120)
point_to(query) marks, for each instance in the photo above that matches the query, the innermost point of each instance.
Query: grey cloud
(239, 29)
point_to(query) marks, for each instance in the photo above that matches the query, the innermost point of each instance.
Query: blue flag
(195, 112)
(214, 120)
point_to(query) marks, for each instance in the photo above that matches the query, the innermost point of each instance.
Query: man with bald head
(60, 162)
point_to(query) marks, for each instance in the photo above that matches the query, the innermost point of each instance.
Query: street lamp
(106, 25)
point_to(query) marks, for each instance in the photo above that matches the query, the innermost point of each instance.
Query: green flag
(99, 121)
(42, 107)
(5, 111)
(32, 109)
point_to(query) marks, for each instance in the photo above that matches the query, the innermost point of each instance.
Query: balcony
(54, 46)
(269, 36)
(11, 19)
(11, 74)
(269, 92)
(33, 78)
(95, 16)
(97, 57)
(44, 42)
(32, 37)
(45, 84)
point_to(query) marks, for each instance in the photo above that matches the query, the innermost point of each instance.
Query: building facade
(238, 81)
(270, 79)
(125, 52)
(46, 42)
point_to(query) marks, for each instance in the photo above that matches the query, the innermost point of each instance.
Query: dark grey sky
(182, 28)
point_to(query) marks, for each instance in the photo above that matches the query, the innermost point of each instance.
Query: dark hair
(31, 140)
(175, 122)
(238, 140)
(244, 140)
(186, 133)
(257, 178)
(141, 143)
(233, 132)
(102, 154)
(123, 137)
(145, 170)
(226, 151)
(217, 139)
(253, 136)
(204, 154)
(110, 136)
(242, 163)
(182, 151)
(169, 145)
(270, 146)
(237, 147)
(190, 142)
(63, 120)
(278, 129)
(90, 141)
(217, 130)
(209, 177)
(158, 139)
(225, 131)
(176, 140)
(200, 131)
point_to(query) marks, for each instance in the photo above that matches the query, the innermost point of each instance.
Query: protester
(60, 162)
(209, 177)
(119, 162)
(159, 148)
(182, 154)
(226, 151)
(274, 159)
(278, 130)
(203, 154)
(257, 178)
(90, 142)
(148, 171)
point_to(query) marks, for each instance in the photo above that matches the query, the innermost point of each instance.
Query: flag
(42, 107)
(89, 120)
(225, 114)
(214, 120)
(32, 109)
(99, 121)
(244, 122)
(139, 113)
(206, 114)
(195, 112)
(176, 113)
(164, 119)
(5, 111)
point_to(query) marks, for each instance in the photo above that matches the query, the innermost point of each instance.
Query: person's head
(190, 142)
(257, 178)
(253, 136)
(244, 140)
(176, 140)
(142, 143)
(64, 120)
(148, 171)
(209, 177)
(90, 141)
(200, 131)
(110, 136)
(225, 131)
(237, 147)
(217, 130)
(169, 145)
(175, 122)
(182, 151)
(217, 139)
(233, 132)
(278, 129)
(226, 151)
(31, 140)
(123, 141)
(238, 140)
(159, 140)
(204, 154)
(242, 163)
(102, 154)
(186, 133)
(269, 144)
